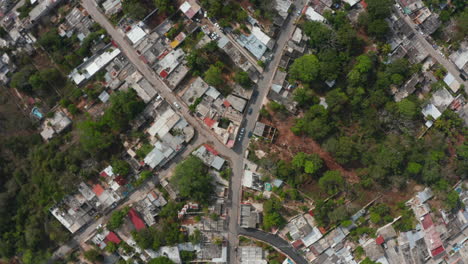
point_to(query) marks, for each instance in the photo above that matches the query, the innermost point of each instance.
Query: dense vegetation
(99, 135)
(362, 126)
(70, 52)
(193, 181)
(34, 176)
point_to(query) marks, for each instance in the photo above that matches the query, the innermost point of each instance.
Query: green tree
(336, 100)
(242, 78)
(271, 216)
(20, 79)
(315, 123)
(321, 36)
(462, 23)
(343, 149)
(164, 6)
(134, 9)
(305, 68)
(93, 137)
(407, 108)
(111, 247)
(161, 260)
(120, 167)
(93, 255)
(378, 28)
(213, 76)
(193, 181)
(453, 200)
(124, 106)
(117, 218)
(379, 8)
(304, 97)
(413, 168)
(331, 182)
(360, 72)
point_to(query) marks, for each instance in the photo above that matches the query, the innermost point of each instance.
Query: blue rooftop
(252, 44)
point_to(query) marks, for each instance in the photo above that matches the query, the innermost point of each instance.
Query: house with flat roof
(210, 157)
(252, 255)
(190, 8)
(90, 67)
(55, 125)
(249, 218)
(252, 44)
(112, 7)
(252, 180)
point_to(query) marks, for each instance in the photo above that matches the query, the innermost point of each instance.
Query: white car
(176, 105)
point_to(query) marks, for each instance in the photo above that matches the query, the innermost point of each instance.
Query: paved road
(276, 242)
(134, 197)
(451, 68)
(263, 87)
(235, 156)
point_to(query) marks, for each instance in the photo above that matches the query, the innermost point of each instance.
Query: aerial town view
(233, 131)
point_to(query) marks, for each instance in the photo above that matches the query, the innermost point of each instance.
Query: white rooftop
(92, 67)
(451, 82)
(351, 2)
(431, 110)
(258, 33)
(311, 14)
(136, 34)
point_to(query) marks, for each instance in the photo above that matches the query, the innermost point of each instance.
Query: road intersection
(235, 155)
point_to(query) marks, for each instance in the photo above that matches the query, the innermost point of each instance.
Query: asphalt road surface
(203, 135)
(276, 242)
(451, 68)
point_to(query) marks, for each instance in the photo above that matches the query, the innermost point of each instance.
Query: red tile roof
(163, 74)
(211, 149)
(136, 220)
(103, 174)
(364, 4)
(112, 237)
(209, 122)
(98, 190)
(297, 244)
(120, 181)
(379, 240)
(226, 103)
(437, 251)
(427, 221)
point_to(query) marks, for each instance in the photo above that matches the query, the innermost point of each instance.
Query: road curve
(275, 241)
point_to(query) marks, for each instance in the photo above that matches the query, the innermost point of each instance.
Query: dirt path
(287, 144)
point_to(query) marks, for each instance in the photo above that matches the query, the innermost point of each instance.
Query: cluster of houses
(91, 199)
(439, 237)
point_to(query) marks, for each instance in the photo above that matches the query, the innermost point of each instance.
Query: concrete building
(55, 125)
(86, 70)
(252, 255)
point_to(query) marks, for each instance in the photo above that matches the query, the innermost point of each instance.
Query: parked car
(250, 111)
(176, 105)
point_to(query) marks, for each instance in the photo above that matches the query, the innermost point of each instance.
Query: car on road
(250, 134)
(250, 111)
(176, 105)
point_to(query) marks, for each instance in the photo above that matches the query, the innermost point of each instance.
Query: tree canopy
(331, 182)
(193, 181)
(305, 68)
(161, 260)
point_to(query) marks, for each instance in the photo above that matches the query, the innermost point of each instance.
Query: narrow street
(204, 135)
(451, 68)
(276, 242)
